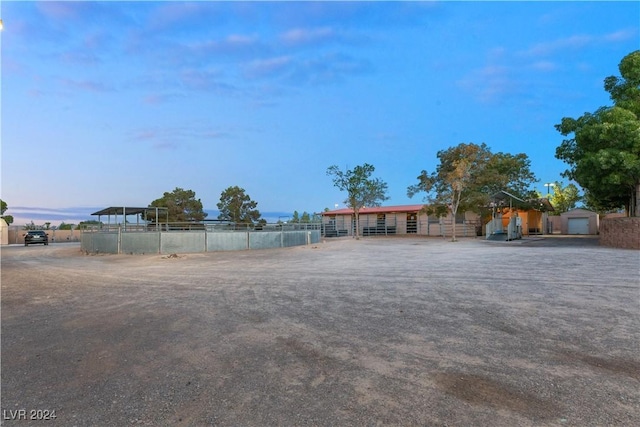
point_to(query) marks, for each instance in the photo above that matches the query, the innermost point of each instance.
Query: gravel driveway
(379, 331)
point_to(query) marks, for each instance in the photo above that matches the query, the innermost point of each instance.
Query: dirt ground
(380, 331)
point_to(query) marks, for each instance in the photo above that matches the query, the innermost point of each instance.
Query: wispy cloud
(80, 57)
(86, 85)
(622, 35)
(386, 136)
(301, 36)
(160, 98)
(578, 41)
(495, 82)
(488, 84)
(544, 66)
(546, 48)
(61, 10)
(173, 138)
(172, 14)
(268, 67)
(206, 80)
(329, 68)
(231, 45)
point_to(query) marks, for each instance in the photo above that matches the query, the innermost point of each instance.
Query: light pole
(549, 227)
(549, 185)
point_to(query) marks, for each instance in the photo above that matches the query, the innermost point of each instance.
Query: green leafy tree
(236, 206)
(88, 224)
(466, 178)
(3, 208)
(31, 226)
(64, 226)
(305, 217)
(181, 204)
(362, 190)
(564, 198)
(509, 172)
(603, 153)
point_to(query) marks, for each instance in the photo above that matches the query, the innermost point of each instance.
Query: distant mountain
(23, 215)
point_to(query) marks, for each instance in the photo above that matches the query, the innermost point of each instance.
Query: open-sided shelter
(158, 213)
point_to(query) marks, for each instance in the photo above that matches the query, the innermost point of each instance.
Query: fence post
(119, 239)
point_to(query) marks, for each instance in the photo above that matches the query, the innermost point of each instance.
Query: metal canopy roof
(503, 195)
(542, 204)
(124, 210)
(516, 202)
(376, 209)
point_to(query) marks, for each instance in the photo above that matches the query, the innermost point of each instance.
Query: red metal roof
(376, 210)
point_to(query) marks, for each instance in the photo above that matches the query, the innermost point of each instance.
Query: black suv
(36, 236)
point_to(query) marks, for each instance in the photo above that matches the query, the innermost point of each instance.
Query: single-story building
(533, 221)
(403, 220)
(579, 221)
(512, 217)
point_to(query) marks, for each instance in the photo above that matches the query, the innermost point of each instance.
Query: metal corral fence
(195, 237)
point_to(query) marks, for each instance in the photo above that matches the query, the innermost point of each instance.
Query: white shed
(579, 221)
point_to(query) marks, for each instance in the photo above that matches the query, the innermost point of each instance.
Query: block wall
(620, 232)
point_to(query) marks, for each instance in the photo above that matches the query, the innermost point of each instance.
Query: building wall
(555, 224)
(620, 232)
(532, 221)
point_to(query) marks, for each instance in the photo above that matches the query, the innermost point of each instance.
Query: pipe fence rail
(341, 226)
(197, 226)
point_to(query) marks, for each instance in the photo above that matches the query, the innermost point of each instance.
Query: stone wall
(620, 232)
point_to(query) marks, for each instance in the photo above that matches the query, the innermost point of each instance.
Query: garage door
(578, 226)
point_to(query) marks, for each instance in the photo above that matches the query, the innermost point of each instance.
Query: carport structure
(126, 211)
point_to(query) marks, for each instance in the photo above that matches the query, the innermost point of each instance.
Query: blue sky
(114, 103)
